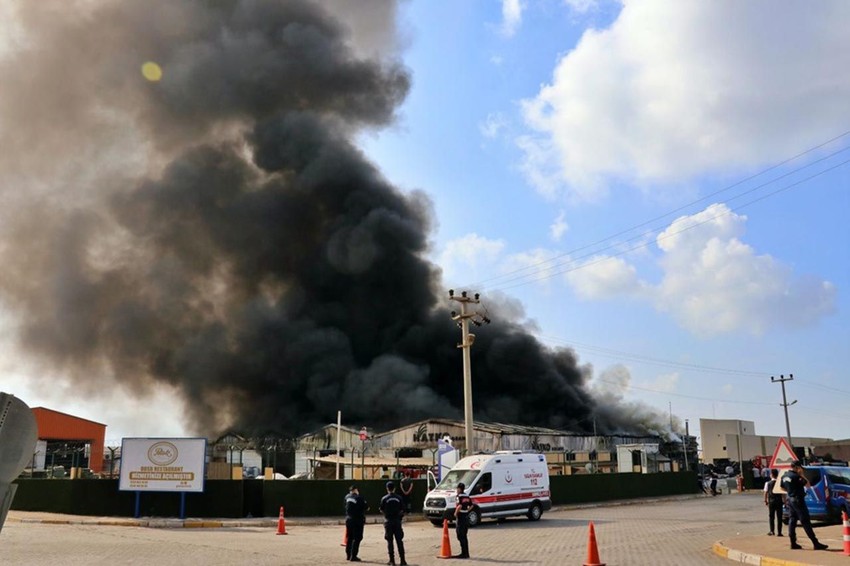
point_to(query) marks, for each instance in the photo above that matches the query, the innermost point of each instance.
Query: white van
(503, 484)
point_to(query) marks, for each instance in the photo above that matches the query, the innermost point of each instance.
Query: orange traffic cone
(281, 523)
(846, 533)
(446, 547)
(592, 551)
(344, 537)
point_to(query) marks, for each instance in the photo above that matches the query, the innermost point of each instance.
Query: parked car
(828, 493)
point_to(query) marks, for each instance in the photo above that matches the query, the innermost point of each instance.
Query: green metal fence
(304, 498)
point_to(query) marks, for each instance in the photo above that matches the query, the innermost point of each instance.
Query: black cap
(796, 464)
(390, 485)
(352, 487)
(461, 487)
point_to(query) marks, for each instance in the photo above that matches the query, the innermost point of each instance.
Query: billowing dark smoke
(220, 231)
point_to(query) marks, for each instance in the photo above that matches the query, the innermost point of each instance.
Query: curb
(724, 551)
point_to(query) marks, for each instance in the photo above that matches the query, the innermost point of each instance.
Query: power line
(506, 277)
(685, 396)
(618, 354)
(540, 276)
(807, 383)
(648, 360)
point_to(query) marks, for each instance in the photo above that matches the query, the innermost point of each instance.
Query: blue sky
(659, 185)
(624, 143)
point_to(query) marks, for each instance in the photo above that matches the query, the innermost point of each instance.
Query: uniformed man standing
(392, 506)
(355, 519)
(794, 483)
(464, 505)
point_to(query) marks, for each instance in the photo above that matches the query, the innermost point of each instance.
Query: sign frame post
(162, 465)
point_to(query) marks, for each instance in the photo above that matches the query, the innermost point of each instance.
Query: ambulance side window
(485, 483)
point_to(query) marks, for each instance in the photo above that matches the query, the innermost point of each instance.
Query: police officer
(392, 506)
(794, 483)
(464, 505)
(355, 519)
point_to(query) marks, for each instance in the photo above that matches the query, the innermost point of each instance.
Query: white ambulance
(503, 484)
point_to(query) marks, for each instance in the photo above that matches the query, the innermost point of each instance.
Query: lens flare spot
(151, 71)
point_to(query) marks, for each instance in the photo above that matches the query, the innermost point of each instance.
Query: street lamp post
(364, 434)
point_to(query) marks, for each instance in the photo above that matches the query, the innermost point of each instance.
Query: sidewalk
(171, 523)
(774, 551)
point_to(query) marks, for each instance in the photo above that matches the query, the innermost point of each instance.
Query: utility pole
(467, 339)
(785, 404)
(685, 444)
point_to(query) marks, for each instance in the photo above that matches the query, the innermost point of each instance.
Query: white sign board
(162, 464)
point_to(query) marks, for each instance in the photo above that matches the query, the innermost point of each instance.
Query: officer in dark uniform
(464, 505)
(355, 519)
(794, 483)
(392, 506)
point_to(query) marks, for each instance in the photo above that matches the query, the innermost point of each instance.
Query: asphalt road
(657, 532)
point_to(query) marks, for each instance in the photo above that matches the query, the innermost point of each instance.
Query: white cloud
(715, 283)
(581, 6)
(493, 125)
(536, 265)
(674, 89)
(604, 277)
(463, 259)
(712, 282)
(559, 227)
(511, 16)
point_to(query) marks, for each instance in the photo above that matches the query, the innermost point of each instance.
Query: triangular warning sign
(783, 455)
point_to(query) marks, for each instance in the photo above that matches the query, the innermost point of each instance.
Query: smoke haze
(218, 230)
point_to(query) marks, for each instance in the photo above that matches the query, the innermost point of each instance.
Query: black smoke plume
(218, 230)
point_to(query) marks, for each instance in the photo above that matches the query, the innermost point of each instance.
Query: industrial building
(413, 447)
(737, 441)
(67, 441)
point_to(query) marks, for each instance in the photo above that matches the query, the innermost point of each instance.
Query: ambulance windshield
(455, 477)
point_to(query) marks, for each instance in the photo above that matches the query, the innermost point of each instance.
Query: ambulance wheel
(474, 517)
(436, 522)
(535, 512)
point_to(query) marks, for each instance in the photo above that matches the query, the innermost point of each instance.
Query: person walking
(713, 483)
(794, 483)
(774, 504)
(355, 519)
(392, 506)
(464, 505)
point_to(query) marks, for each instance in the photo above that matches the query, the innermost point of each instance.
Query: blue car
(828, 493)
